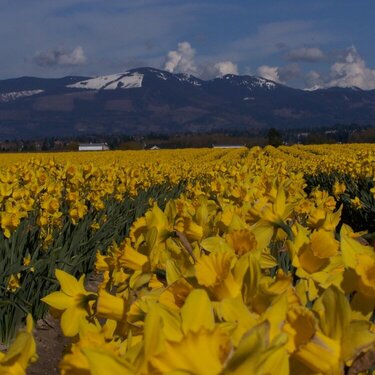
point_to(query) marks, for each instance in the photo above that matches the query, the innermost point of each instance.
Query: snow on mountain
(183, 77)
(259, 81)
(111, 82)
(10, 96)
(313, 88)
(167, 103)
(249, 82)
(96, 83)
(162, 76)
(130, 81)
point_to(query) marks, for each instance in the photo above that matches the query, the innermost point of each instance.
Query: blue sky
(301, 43)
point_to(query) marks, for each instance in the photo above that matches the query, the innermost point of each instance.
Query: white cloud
(314, 80)
(306, 54)
(279, 74)
(226, 67)
(181, 60)
(351, 70)
(269, 72)
(110, 32)
(61, 57)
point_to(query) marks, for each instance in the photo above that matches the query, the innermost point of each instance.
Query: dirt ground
(50, 344)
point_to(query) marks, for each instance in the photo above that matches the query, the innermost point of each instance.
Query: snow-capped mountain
(148, 100)
(248, 82)
(111, 82)
(10, 96)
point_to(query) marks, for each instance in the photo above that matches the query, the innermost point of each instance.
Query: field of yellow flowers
(241, 261)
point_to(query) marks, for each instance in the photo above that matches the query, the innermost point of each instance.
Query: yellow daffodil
(14, 282)
(214, 271)
(73, 301)
(338, 188)
(21, 353)
(207, 345)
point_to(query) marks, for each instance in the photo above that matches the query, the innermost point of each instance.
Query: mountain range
(148, 100)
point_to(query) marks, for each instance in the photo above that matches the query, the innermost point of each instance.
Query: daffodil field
(208, 261)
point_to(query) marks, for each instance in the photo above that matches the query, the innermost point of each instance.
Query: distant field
(207, 261)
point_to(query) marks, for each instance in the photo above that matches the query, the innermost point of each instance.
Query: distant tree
(72, 146)
(274, 138)
(318, 138)
(366, 135)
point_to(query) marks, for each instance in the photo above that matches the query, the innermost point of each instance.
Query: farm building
(93, 147)
(228, 146)
(152, 147)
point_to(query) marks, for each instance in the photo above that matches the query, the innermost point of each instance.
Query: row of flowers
(243, 273)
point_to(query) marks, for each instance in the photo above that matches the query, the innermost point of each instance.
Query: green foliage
(73, 250)
(358, 218)
(274, 138)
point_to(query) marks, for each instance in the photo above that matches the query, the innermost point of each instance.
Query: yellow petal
(172, 271)
(109, 306)
(323, 244)
(362, 307)
(133, 259)
(276, 315)
(71, 319)
(334, 312)
(267, 260)
(171, 323)
(309, 262)
(321, 354)
(215, 244)
(263, 233)
(22, 350)
(213, 268)
(153, 332)
(242, 241)
(351, 248)
(300, 326)
(102, 362)
(158, 220)
(59, 300)
(357, 338)
(279, 204)
(245, 359)
(197, 312)
(199, 353)
(366, 270)
(234, 310)
(274, 359)
(247, 273)
(69, 284)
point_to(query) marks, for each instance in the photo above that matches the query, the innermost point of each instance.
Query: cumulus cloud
(306, 54)
(279, 74)
(61, 57)
(209, 70)
(314, 80)
(181, 60)
(226, 67)
(269, 72)
(351, 70)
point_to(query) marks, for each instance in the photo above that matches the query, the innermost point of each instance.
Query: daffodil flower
(73, 301)
(21, 353)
